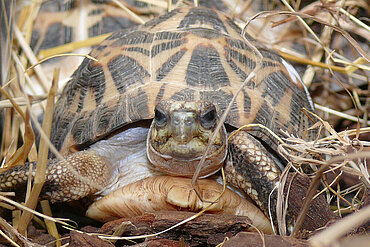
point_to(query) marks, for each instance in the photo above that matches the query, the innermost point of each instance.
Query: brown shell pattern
(188, 54)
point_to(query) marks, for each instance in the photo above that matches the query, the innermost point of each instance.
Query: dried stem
(41, 159)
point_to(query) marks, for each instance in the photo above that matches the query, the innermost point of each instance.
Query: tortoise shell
(191, 53)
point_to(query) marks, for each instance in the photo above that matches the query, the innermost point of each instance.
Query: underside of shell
(165, 193)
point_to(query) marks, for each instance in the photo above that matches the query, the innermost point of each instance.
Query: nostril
(176, 121)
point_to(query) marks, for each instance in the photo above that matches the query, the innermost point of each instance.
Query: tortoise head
(179, 135)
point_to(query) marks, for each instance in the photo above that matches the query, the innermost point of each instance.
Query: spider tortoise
(150, 103)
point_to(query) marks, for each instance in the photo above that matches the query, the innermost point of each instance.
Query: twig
(341, 114)
(32, 58)
(354, 19)
(135, 16)
(311, 62)
(41, 159)
(51, 226)
(73, 46)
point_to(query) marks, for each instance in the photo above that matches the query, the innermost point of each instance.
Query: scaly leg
(253, 169)
(81, 174)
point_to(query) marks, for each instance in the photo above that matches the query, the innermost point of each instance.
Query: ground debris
(206, 229)
(319, 213)
(82, 239)
(252, 239)
(161, 243)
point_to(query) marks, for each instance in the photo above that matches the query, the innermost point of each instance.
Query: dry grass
(334, 65)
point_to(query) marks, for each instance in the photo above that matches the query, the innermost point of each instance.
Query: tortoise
(152, 100)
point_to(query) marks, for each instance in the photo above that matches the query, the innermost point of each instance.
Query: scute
(188, 54)
(202, 17)
(205, 69)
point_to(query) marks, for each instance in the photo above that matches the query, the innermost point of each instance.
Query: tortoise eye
(160, 118)
(208, 118)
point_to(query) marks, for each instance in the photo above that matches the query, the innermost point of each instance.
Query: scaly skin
(81, 174)
(252, 168)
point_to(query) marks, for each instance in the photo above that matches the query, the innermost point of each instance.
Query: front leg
(253, 169)
(80, 174)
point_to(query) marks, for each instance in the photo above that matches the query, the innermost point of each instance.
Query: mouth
(179, 159)
(191, 150)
